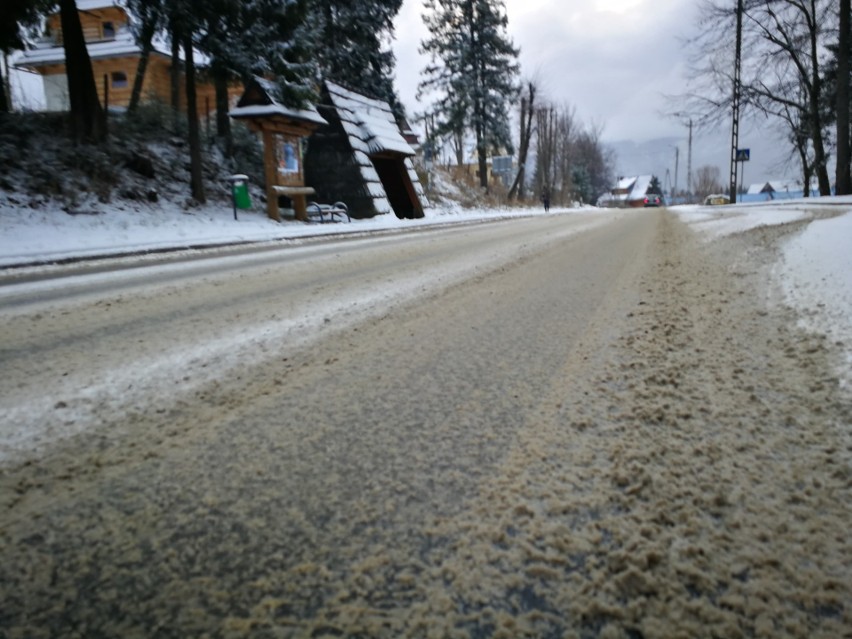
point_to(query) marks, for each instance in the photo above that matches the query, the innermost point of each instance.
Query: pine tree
(149, 14)
(87, 116)
(14, 16)
(654, 187)
(474, 68)
(352, 44)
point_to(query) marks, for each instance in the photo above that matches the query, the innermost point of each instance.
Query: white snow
(814, 271)
(34, 236)
(816, 276)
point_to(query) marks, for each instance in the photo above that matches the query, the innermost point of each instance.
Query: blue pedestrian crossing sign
(743, 155)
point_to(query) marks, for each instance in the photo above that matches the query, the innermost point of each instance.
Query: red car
(652, 199)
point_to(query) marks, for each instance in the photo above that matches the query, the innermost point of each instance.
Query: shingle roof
(272, 106)
(369, 123)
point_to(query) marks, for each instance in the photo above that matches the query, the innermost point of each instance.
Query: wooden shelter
(362, 158)
(284, 131)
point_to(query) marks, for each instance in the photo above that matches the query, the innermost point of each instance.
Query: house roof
(369, 123)
(261, 99)
(640, 187)
(775, 186)
(625, 183)
(630, 188)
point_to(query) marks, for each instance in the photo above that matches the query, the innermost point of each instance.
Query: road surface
(589, 425)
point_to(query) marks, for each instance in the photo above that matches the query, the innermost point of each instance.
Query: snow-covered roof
(369, 123)
(640, 187)
(371, 130)
(269, 105)
(775, 186)
(261, 110)
(755, 189)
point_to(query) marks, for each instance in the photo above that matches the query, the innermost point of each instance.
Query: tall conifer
(474, 68)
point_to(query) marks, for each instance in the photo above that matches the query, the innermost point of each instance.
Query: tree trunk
(147, 43)
(820, 158)
(527, 112)
(223, 122)
(4, 98)
(196, 173)
(175, 74)
(458, 146)
(482, 157)
(88, 121)
(843, 183)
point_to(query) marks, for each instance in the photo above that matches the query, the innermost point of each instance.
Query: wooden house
(115, 57)
(362, 158)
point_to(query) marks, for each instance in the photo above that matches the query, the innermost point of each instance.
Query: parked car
(653, 199)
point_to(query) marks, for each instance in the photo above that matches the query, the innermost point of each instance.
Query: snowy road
(579, 425)
(107, 342)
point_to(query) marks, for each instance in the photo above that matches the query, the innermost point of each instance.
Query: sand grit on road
(684, 471)
(696, 484)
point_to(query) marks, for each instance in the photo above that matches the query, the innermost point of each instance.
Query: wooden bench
(335, 212)
(298, 195)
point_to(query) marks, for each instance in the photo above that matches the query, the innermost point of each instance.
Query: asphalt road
(447, 434)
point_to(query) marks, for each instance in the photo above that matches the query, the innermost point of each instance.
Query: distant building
(775, 190)
(628, 192)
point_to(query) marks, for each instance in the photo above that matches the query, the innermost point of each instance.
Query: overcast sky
(613, 61)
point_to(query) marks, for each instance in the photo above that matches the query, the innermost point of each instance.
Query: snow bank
(37, 235)
(815, 268)
(815, 273)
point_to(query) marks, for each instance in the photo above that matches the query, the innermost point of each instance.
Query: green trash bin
(242, 200)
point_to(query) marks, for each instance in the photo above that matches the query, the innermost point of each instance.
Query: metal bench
(328, 212)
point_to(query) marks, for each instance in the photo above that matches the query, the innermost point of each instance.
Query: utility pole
(735, 125)
(677, 159)
(689, 166)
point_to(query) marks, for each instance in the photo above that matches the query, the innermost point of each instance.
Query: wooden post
(270, 169)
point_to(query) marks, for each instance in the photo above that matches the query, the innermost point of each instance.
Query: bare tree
(843, 184)
(784, 43)
(526, 129)
(566, 134)
(708, 180)
(546, 148)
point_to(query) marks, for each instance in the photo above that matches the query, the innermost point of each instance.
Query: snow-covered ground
(814, 270)
(43, 235)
